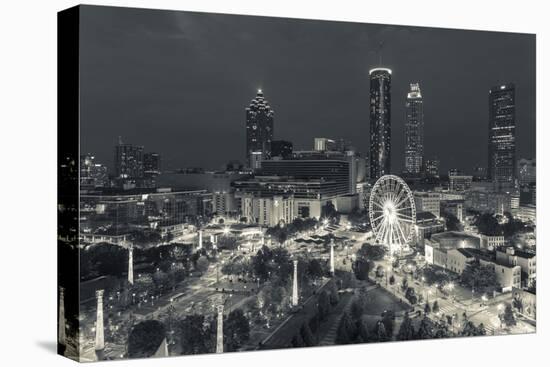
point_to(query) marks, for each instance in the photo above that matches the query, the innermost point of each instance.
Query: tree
(307, 335)
(297, 341)
(425, 330)
(488, 225)
(392, 280)
(315, 269)
(268, 262)
(451, 221)
(533, 286)
(406, 330)
(346, 330)
(323, 305)
(517, 302)
(478, 276)
(236, 330)
(361, 269)
(357, 308)
(103, 259)
(388, 319)
(202, 264)
(371, 252)
(227, 242)
(469, 329)
(145, 237)
(404, 285)
(435, 307)
(508, 316)
(512, 226)
(381, 333)
(363, 334)
(427, 308)
(145, 338)
(195, 339)
(411, 296)
(434, 275)
(329, 211)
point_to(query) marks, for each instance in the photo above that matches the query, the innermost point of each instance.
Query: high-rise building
(431, 167)
(527, 171)
(460, 183)
(502, 136)
(480, 173)
(454, 172)
(151, 164)
(128, 160)
(380, 122)
(428, 202)
(259, 129)
(92, 174)
(414, 131)
(281, 148)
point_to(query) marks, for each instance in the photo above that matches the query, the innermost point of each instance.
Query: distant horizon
(178, 84)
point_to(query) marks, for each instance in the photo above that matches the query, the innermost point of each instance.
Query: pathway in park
(331, 325)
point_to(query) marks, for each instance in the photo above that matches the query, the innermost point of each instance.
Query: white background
(28, 180)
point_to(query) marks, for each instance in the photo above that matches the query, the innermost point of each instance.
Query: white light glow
(380, 69)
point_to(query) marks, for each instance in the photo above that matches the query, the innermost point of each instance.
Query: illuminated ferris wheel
(392, 212)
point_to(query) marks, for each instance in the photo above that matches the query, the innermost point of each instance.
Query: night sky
(178, 83)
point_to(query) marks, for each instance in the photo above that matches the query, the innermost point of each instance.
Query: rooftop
(453, 235)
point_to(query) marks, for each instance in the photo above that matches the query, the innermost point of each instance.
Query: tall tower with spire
(414, 131)
(259, 130)
(380, 122)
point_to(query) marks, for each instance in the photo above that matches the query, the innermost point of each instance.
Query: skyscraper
(380, 122)
(92, 174)
(151, 164)
(527, 171)
(414, 131)
(502, 136)
(431, 167)
(259, 130)
(128, 160)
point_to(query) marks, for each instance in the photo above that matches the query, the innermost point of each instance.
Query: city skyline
(217, 110)
(327, 207)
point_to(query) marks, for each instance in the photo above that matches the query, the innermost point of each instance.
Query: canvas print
(239, 183)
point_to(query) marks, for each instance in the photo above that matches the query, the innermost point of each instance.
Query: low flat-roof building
(426, 225)
(458, 259)
(454, 239)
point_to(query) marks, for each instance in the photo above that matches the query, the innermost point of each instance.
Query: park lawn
(380, 300)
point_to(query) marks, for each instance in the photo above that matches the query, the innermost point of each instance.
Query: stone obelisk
(295, 285)
(200, 240)
(61, 336)
(219, 334)
(131, 265)
(332, 258)
(99, 327)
